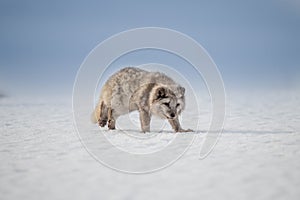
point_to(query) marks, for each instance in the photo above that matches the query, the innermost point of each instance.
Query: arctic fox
(151, 93)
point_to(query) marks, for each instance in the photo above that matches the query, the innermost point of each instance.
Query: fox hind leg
(111, 119)
(103, 115)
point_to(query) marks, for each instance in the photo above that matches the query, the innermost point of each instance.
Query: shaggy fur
(151, 93)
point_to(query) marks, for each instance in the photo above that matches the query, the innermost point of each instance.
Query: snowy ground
(257, 156)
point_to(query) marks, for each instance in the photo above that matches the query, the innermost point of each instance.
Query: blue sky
(255, 44)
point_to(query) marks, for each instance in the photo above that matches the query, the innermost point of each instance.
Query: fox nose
(172, 115)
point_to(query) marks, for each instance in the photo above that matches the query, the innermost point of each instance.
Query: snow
(256, 157)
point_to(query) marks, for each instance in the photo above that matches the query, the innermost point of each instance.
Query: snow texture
(256, 157)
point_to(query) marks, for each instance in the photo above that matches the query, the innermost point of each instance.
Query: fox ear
(160, 93)
(181, 90)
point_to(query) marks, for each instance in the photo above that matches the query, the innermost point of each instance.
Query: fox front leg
(145, 119)
(176, 126)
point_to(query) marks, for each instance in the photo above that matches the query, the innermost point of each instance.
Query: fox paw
(185, 130)
(102, 123)
(111, 124)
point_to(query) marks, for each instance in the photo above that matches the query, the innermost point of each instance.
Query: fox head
(167, 101)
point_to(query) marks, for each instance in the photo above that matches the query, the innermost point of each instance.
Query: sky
(255, 44)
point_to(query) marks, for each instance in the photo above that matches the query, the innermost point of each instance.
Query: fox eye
(177, 105)
(167, 104)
